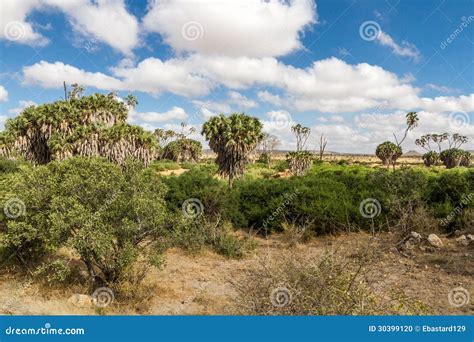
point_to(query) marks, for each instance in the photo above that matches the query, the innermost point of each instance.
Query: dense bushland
(328, 198)
(114, 217)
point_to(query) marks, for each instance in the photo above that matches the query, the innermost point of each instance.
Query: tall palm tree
(232, 138)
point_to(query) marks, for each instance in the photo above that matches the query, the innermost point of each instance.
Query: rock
(463, 240)
(470, 237)
(80, 300)
(435, 241)
(415, 235)
(457, 232)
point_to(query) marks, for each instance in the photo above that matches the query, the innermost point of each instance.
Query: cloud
(405, 49)
(3, 94)
(441, 89)
(241, 101)
(253, 28)
(328, 85)
(266, 96)
(102, 20)
(14, 26)
(22, 104)
(175, 113)
(52, 75)
(155, 76)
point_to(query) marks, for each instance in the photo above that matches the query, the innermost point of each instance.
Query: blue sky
(348, 69)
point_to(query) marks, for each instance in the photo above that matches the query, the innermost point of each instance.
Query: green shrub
(193, 234)
(164, 165)
(183, 150)
(200, 184)
(8, 165)
(431, 158)
(104, 213)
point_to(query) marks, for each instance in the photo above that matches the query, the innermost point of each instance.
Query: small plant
(388, 153)
(301, 160)
(431, 158)
(330, 285)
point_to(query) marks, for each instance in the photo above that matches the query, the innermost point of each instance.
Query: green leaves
(232, 138)
(92, 206)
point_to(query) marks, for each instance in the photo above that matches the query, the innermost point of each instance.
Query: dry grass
(202, 283)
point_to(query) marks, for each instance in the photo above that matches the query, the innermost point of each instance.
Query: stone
(80, 300)
(470, 237)
(415, 235)
(463, 240)
(435, 241)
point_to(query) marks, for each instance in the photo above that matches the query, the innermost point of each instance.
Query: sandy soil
(176, 172)
(202, 284)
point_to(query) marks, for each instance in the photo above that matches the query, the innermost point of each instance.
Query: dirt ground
(202, 284)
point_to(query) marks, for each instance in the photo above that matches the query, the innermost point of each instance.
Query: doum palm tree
(232, 138)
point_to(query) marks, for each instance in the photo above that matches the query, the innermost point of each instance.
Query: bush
(388, 153)
(455, 157)
(431, 158)
(328, 286)
(200, 184)
(8, 165)
(193, 234)
(104, 213)
(299, 162)
(183, 150)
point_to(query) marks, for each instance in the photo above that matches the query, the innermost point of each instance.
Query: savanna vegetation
(76, 177)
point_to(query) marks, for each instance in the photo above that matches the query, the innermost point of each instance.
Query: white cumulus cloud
(253, 28)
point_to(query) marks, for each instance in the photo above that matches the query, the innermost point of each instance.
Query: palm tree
(389, 152)
(232, 138)
(76, 91)
(87, 126)
(300, 160)
(131, 101)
